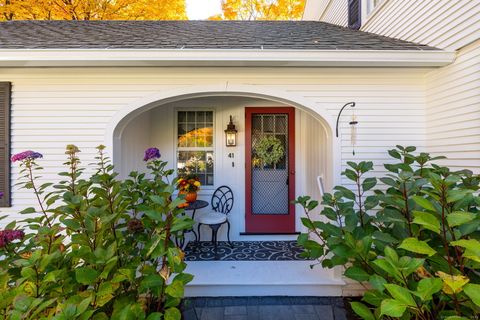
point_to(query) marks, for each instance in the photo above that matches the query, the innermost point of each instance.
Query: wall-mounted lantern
(231, 134)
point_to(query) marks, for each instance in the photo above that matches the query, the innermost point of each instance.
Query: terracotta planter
(189, 196)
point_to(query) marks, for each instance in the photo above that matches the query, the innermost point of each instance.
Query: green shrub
(101, 248)
(414, 243)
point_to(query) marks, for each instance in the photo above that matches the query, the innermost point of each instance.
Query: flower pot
(189, 196)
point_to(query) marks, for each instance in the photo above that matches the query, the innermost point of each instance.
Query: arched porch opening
(156, 123)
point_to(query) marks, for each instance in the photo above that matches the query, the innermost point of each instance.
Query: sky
(202, 9)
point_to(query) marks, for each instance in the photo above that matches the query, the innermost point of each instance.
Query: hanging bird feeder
(353, 131)
(353, 125)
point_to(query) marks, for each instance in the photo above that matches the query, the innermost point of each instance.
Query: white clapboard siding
(447, 24)
(336, 12)
(453, 110)
(452, 92)
(54, 107)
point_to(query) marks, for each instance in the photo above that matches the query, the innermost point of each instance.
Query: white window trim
(213, 148)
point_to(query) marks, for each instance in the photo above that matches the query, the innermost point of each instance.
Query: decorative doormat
(244, 251)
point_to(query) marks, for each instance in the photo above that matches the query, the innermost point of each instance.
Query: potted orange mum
(189, 185)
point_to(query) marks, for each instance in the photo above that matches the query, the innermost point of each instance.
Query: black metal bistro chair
(222, 204)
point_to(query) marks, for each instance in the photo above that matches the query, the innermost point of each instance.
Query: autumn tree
(92, 9)
(261, 10)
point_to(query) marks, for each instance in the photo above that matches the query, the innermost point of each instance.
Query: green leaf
(83, 306)
(427, 287)
(154, 214)
(104, 294)
(458, 218)
(71, 223)
(152, 281)
(400, 294)
(392, 308)
(391, 255)
(394, 154)
(427, 220)
(362, 310)
(456, 195)
(175, 289)
(386, 266)
(154, 316)
(374, 297)
(86, 275)
(377, 282)
(473, 292)
(172, 314)
(424, 203)
(28, 210)
(472, 247)
(369, 183)
(357, 273)
(417, 246)
(347, 193)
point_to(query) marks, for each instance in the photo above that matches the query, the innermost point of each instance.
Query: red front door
(270, 170)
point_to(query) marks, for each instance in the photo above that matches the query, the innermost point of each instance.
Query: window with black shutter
(354, 14)
(5, 143)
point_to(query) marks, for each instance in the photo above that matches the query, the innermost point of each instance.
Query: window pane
(195, 134)
(182, 116)
(209, 116)
(200, 163)
(194, 131)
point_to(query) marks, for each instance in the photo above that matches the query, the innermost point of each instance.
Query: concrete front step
(261, 278)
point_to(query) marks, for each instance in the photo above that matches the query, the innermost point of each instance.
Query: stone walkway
(264, 308)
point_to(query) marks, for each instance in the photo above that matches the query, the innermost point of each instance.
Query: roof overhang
(223, 57)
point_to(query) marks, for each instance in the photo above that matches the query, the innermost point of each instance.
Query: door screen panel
(269, 181)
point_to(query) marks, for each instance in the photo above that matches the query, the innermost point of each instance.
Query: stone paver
(324, 312)
(304, 316)
(213, 313)
(303, 309)
(236, 310)
(236, 317)
(276, 312)
(264, 308)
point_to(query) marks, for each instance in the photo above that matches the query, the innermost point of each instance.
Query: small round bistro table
(192, 206)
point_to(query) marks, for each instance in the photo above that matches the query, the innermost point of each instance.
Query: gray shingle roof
(295, 35)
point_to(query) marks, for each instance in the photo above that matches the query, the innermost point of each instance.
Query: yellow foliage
(262, 9)
(452, 284)
(92, 10)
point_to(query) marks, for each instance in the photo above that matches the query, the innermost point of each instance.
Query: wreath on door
(269, 150)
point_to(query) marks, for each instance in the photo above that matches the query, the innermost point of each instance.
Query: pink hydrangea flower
(29, 154)
(151, 153)
(8, 235)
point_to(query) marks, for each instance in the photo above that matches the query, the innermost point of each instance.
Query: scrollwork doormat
(244, 251)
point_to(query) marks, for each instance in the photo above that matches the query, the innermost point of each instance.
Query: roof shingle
(268, 35)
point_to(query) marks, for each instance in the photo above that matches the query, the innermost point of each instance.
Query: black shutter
(354, 14)
(5, 88)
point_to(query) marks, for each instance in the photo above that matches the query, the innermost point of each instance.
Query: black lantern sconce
(231, 134)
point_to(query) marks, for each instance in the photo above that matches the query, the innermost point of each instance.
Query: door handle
(287, 181)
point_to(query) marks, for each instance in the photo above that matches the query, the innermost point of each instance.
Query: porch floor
(244, 251)
(264, 308)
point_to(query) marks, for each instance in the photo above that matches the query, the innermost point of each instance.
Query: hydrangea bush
(95, 247)
(414, 243)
